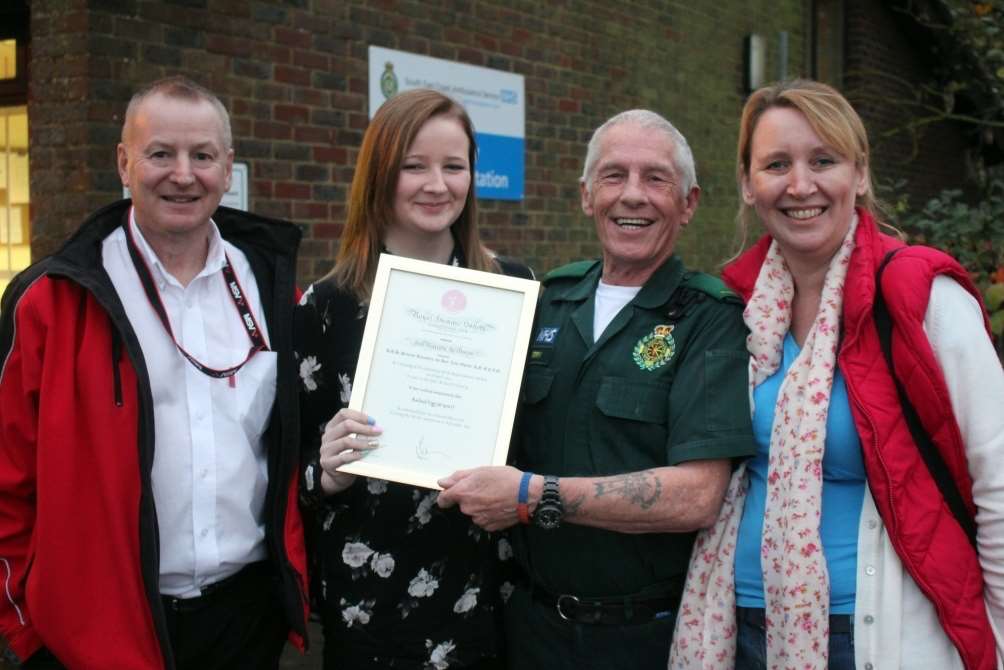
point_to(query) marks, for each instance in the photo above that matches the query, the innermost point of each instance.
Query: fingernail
(373, 443)
(370, 420)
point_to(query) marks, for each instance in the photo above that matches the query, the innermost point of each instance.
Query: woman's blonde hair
(832, 118)
(370, 208)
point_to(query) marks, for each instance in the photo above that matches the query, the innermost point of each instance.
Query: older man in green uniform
(634, 406)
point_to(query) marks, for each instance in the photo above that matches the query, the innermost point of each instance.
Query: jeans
(751, 648)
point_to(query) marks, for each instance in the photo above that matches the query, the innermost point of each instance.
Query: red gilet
(931, 545)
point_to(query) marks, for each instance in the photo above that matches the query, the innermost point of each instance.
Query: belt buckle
(563, 598)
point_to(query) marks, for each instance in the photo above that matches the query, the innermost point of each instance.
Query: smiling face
(175, 162)
(433, 181)
(636, 201)
(802, 189)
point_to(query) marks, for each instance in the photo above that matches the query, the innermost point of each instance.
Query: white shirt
(209, 466)
(895, 625)
(610, 300)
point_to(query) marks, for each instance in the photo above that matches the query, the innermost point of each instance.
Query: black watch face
(548, 517)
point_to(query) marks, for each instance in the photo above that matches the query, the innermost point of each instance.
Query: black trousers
(539, 638)
(237, 624)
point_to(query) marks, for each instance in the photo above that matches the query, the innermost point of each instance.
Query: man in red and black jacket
(148, 427)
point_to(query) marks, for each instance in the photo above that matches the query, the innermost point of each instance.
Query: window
(15, 252)
(15, 209)
(8, 59)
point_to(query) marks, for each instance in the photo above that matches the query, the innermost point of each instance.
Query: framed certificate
(440, 368)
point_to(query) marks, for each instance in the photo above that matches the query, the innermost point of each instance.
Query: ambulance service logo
(654, 350)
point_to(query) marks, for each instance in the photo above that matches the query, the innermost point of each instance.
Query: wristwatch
(549, 510)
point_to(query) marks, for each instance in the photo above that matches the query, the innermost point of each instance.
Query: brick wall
(62, 156)
(294, 75)
(885, 66)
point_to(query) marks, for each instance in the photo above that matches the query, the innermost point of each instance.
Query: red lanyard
(236, 294)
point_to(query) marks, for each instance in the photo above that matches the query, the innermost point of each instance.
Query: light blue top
(843, 493)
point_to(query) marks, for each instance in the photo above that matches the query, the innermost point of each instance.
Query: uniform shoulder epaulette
(576, 270)
(710, 285)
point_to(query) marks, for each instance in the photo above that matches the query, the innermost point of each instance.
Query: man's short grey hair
(683, 157)
(185, 89)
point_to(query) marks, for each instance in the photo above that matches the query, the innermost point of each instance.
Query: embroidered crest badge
(653, 351)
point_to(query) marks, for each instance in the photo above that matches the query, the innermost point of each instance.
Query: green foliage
(997, 325)
(994, 296)
(976, 27)
(973, 233)
(971, 67)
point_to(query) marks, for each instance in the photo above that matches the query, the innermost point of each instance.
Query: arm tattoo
(638, 488)
(572, 506)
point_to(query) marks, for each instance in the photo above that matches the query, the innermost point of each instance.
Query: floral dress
(398, 582)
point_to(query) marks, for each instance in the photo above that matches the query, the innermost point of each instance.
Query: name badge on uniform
(546, 336)
(543, 345)
(654, 350)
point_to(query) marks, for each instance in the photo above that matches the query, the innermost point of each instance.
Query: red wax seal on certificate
(454, 301)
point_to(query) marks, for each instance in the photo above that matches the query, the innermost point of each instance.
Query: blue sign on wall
(498, 174)
(495, 101)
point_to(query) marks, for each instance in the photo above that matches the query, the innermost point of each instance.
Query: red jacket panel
(69, 490)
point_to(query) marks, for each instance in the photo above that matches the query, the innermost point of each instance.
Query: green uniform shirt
(664, 384)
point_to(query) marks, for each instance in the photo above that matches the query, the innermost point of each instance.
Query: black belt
(610, 610)
(840, 624)
(249, 577)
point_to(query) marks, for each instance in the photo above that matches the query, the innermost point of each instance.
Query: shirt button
(204, 473)
(205, 532)
(869, 666)
(869, 619)
(870, 570)
(873, 524)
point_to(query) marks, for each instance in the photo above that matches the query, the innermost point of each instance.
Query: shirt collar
(654, 293)
(215, 258)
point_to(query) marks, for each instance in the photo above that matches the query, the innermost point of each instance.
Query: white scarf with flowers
(796, 583)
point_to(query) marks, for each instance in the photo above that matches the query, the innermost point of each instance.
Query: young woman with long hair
(400, 583)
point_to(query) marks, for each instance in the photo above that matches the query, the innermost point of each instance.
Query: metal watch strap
(550, 508)
(550, 492)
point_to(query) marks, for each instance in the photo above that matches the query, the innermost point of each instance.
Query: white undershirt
(209, 467)
(610, 300)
